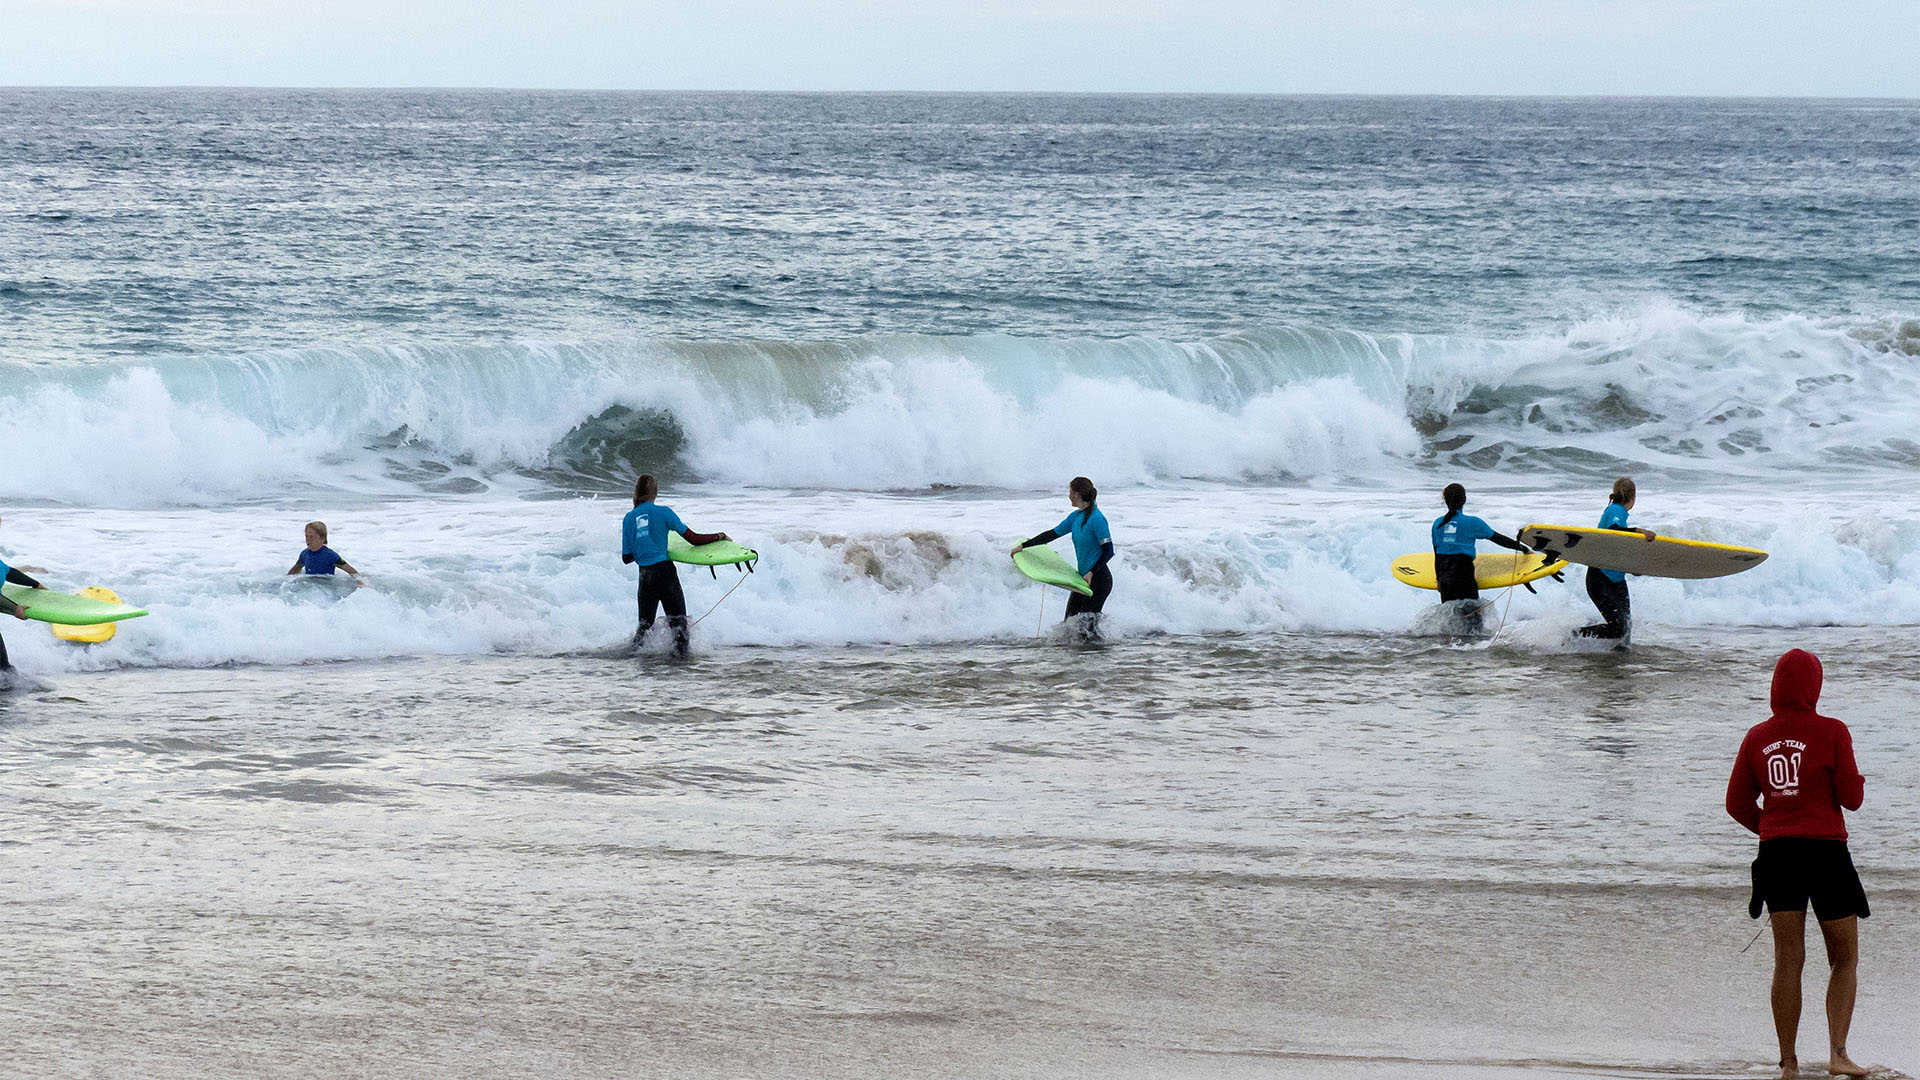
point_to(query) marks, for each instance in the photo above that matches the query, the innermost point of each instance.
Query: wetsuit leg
(674, 603)
(1102, 585)
(1455, 576)
(660, 590)
(1610, 599)
(649, 602)
(4, 663)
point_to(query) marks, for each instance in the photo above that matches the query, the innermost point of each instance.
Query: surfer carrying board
(1793, 781)
(8, 607)
(1092, 549)
(1608, 588)
(643, 540)
(1454, 537)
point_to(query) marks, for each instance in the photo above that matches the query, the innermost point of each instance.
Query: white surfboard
(1631, 553)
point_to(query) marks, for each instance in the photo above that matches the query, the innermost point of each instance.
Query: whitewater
(1261, 482)
(890, 819)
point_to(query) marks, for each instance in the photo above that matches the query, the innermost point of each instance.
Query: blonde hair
(318, 527)
(1623, 490)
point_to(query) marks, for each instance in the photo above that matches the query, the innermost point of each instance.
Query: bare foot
(1842, 1065)
(1789, 1068)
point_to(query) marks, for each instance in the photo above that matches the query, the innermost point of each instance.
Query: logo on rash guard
(1783, 769)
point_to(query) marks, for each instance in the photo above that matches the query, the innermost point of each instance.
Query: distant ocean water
(873, 336)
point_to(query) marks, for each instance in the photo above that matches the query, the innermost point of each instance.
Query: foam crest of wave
(1661, 390)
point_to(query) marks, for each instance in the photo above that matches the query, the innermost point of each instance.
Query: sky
(1843, 48)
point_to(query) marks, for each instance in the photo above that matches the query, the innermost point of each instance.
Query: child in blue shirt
(317, 558)
(1092, 549)
(1608, 588)
(1454, 537)
(643, 540)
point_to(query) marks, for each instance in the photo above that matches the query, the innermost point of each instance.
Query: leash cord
(717, 603)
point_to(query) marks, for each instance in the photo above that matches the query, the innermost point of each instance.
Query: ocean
(889, 819)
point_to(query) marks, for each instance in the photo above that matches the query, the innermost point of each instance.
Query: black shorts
(1793, 871)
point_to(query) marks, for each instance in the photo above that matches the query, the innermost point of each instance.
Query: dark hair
(1622, 491)
(645, 489)
(1456, 498)
(1084, 488)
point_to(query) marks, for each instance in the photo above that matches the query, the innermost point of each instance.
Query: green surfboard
(67, 609)
(719, 553)
(1045, 565)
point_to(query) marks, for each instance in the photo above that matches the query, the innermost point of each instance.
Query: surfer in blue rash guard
(1608, 588)
(1092, 549)
(1454, 537)
(643, 540)
(8, 607)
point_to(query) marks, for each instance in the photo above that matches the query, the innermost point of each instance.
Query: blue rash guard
(1089, 532)
(1614, 517)
(643, 534)
(1457, 537)
(319, 562)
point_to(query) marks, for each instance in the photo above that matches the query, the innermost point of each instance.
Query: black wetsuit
(1102, 584)
(8, 608)
(660, 588)
(1610, 598)
(1455, 577)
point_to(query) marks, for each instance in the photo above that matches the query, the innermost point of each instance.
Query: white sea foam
(478, 576)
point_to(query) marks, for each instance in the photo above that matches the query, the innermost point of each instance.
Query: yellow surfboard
(1631, 553)
(1495, 570)
(98, 632)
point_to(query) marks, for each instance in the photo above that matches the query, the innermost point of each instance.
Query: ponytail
(1623, 491)
(1456, 499)
(1084, 488)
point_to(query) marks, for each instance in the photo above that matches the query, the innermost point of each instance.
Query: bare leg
(1843, 958)
(1789, 958)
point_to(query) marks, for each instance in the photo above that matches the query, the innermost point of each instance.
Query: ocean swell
(1661, 391)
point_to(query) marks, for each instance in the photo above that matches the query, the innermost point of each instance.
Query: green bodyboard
(1044, 565)
(67, 609)
(719, 553)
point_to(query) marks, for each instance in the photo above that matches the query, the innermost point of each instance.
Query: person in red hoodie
(1794, 775)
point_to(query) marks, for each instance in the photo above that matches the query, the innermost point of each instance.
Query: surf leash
(717, 603)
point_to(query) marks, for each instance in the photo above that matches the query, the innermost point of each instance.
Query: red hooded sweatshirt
(1796, 770)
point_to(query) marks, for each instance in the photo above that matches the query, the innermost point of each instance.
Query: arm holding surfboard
(15, 577)
(9, 606)
(693, 539)
(1087, 577)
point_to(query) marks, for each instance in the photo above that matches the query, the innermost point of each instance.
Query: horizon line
(1403, 94)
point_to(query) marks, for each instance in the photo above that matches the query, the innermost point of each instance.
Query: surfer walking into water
(643, 540)
(1092, 549)
(1608, 588)
(7, 607)
(1793, 781)
(1455, 536)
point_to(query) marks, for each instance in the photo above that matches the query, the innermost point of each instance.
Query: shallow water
(1312, 855)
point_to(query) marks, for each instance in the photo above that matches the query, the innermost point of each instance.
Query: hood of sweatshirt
(1796, 683)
